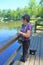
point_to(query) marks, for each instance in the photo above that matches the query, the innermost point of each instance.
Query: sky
(13, 4)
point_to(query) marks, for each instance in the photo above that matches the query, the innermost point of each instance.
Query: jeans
(25, 45)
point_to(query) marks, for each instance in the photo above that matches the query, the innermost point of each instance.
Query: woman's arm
(27, 34)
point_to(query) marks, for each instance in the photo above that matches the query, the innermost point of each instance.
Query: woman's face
(24, 21)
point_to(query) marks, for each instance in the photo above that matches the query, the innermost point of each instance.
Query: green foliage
(33, 9)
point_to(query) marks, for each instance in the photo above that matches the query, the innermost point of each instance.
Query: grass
(41, 27)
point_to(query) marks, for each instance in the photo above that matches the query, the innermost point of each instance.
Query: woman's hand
(20, 32)
(27, 34)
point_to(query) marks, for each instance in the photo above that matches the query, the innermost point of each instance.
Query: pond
(6, 35)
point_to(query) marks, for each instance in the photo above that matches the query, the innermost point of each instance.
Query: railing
(38, 24)
(9, 43)
(10, 61)
(36, 18)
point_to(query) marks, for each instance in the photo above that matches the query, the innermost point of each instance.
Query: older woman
(25, 32)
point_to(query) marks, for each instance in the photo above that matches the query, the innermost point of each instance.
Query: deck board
(41, 52)
(37, 59)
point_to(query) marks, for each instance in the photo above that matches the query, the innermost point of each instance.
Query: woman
(25, 32)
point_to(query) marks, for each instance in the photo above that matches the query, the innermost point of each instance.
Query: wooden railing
(9, 43)
(10, 60)
(36, 18)
(38, 24)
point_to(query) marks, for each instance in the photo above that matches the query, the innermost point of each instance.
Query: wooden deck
(37, 59)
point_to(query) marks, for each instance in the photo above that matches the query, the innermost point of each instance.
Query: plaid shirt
(24, 29)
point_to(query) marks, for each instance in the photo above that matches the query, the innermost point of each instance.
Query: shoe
(27, 55)
(22, 60)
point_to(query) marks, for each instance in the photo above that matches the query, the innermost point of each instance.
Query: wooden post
(35, 27)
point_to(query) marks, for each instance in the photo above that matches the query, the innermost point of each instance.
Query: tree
(41, 2)
(33, 7)
(41, 8)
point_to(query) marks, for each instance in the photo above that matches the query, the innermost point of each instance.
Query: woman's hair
(26, 17)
